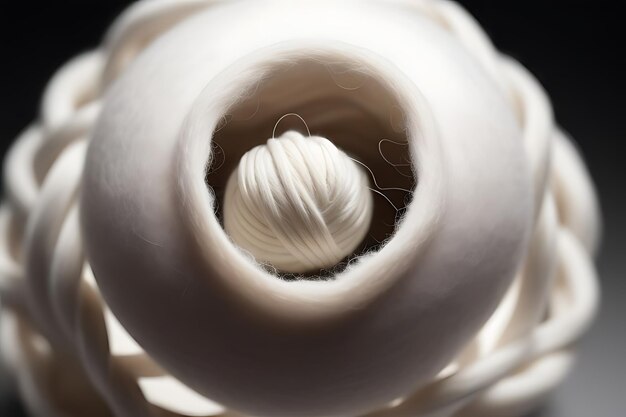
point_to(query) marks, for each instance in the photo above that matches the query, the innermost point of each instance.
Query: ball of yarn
(298, 203)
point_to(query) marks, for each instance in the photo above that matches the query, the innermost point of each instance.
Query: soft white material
(282, 329)
(126, 175)
(298, 204)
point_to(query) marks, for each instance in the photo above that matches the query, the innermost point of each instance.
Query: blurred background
(575, 49)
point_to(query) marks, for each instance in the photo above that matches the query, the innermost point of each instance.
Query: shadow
(11, 407)
(545, 411)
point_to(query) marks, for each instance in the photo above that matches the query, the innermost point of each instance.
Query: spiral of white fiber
(54, 319)
(298, 203)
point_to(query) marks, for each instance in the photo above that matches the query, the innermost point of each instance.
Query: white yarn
(382, 328)
(297, 203)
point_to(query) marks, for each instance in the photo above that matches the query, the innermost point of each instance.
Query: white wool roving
(423, 249)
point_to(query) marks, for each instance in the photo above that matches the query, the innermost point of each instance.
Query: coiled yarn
(299, 204)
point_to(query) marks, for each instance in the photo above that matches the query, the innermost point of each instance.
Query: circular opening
(335, 100)
(229, 268)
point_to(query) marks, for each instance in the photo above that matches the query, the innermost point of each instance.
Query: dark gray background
(575, 48)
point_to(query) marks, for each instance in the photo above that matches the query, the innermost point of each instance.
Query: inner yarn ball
(298, 203)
